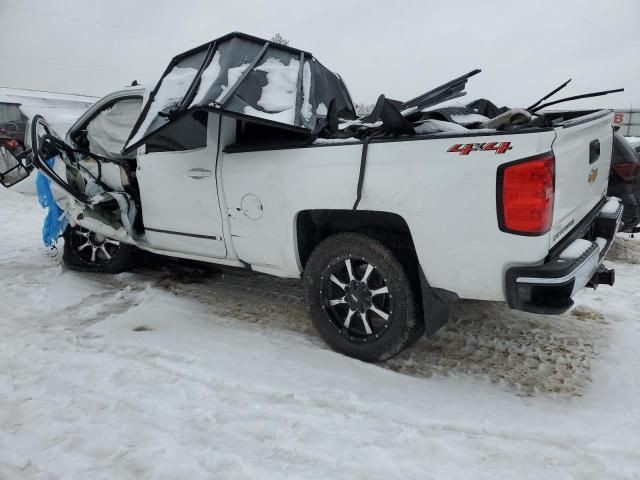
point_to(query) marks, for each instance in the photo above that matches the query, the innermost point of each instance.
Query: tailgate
(582, 149)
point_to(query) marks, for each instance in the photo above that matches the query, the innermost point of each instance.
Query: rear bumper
(629, 194)
(631, 215)
(548, 288)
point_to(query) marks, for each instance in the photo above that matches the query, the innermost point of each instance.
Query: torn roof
(246, 77)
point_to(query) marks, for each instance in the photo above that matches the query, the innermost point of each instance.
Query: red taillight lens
(526, 191)
(11, 144)
(627, 171)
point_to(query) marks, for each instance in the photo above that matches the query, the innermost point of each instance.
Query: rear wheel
(90, 251)
(360, 297)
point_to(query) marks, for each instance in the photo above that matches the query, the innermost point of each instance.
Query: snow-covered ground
(184, 372)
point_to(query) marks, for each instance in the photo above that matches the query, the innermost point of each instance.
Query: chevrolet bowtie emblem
(592, 176)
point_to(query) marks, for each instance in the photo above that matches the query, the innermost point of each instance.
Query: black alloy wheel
(90, 251)
(360, 298)
(357, 300)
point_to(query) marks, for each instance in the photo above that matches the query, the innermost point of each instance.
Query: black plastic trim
(195, 84)
(374, 140)
(558, 298)
(169, 232)
(363, 166)
(145, 109)
(594, 151)
(231, 149)
(605, 225)
(579, 231)
(555, 298)
(299, 92)
(470, 134)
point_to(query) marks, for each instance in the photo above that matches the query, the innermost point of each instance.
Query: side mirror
(12, 169)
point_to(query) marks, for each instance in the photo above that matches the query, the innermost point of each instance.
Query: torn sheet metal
(85, 217)
(246, 77)
(117, 224)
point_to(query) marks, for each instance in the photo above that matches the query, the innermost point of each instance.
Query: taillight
(11, 144)
(627, 171)
(525, 195)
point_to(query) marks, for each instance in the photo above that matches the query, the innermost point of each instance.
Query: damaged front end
(82, 186)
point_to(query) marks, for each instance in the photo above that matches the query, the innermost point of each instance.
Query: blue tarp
(54, 225)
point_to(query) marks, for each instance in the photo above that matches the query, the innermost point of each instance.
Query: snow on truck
(250, 154)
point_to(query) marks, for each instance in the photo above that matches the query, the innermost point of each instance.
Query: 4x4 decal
(465, 149)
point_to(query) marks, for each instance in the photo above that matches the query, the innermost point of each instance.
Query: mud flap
(435, 305)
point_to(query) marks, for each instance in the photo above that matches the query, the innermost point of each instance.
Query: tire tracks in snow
(625, 250)
(524, 353)
(527, 354)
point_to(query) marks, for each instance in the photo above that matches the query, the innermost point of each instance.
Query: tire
(337, 298)
(89, 252)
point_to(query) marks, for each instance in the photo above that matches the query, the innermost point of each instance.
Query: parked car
(250, 154)
(13, 122)
(634, 142)
(624, 181)
(8, 141)
(13, 129)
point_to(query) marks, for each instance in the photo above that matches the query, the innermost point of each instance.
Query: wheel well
(313, 226)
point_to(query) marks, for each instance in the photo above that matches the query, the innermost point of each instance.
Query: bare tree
(363, 108)
(279, 39)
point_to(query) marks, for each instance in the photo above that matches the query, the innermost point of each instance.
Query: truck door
(177, 179)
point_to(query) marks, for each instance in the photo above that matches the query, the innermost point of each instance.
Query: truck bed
(447, 199)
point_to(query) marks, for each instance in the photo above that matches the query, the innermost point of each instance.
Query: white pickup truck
(236, 159)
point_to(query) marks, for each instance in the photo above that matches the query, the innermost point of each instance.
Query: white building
(628, 121)
(18, 105)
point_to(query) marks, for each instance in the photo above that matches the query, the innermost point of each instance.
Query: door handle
(199, 173)
(594, 151)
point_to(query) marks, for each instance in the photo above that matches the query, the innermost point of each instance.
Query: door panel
(180, 207)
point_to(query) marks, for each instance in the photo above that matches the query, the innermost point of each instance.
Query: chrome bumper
(548, 288)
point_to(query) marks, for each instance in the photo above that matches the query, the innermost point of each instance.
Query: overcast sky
(399, 48)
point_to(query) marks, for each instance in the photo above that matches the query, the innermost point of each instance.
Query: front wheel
(92, 252)
(360, 298)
